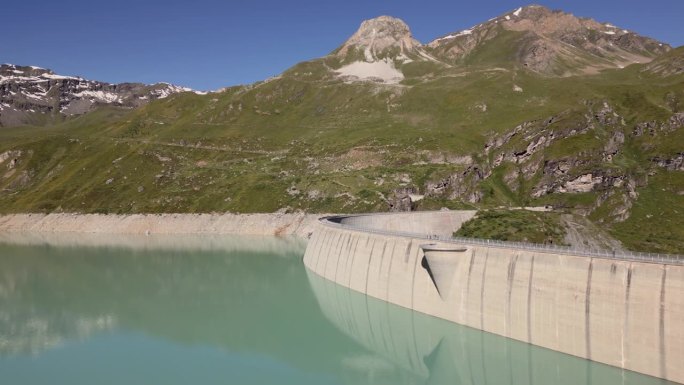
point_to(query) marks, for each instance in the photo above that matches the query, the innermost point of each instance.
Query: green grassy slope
(308, 140)
(515, 226)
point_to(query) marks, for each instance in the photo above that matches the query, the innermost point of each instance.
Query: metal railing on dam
(669, 259)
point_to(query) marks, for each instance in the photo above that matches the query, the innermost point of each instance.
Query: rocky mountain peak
(381, 37)
(7, 70)
(579, 31)
(532, 11)
(552, 42)
(384, 24)
(13, 73)
(542, 20)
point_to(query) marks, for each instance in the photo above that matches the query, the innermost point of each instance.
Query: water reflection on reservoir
(80, 309)
(160, 310)
(435, 351)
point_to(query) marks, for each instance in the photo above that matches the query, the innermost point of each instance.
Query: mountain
(386, 123)
(30, 94)
(549, 42)
(384, 37)
(670, 64)
(377, 50)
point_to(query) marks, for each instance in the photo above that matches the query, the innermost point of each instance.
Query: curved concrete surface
(429, 350)
(437, 223)
(621, 312)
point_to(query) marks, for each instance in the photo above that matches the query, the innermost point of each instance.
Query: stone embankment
(621, 310)
(297, 224)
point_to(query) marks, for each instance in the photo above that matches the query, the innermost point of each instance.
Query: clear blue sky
(208, 44)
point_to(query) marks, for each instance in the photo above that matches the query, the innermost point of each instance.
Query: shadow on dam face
(435, 351)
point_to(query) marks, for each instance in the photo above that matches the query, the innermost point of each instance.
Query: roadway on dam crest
(624, 310)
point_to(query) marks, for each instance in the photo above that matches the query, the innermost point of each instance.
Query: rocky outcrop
(462, 185)
(607, 116)
(561, 168)
(676, 121)
(619, 192)
(401, 199)
(572, 174)
(536, 134)
(598, 180)
(581, 184)
(12, 156)
(676, 163)
(653, 127)
(613, 146)
(380, 38)
(645, 128)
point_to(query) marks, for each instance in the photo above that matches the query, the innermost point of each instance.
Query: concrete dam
(625, 310)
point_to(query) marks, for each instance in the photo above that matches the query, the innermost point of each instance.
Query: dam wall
(623, 312)
(440, 223)
(430, 350)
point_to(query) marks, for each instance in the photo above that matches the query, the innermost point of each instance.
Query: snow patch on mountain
(36, 95)
(8, 79)
(101, 96)
(169, 90)
(58, 77)
(455, 35)
(382, 70)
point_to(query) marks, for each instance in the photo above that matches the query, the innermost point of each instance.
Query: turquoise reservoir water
(221, 310)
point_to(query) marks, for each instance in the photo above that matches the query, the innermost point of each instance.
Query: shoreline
(300, 225)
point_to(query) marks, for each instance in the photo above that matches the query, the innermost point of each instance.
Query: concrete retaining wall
(623, 313)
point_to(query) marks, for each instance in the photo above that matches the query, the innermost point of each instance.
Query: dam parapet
(621, 309)
(420, 225)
